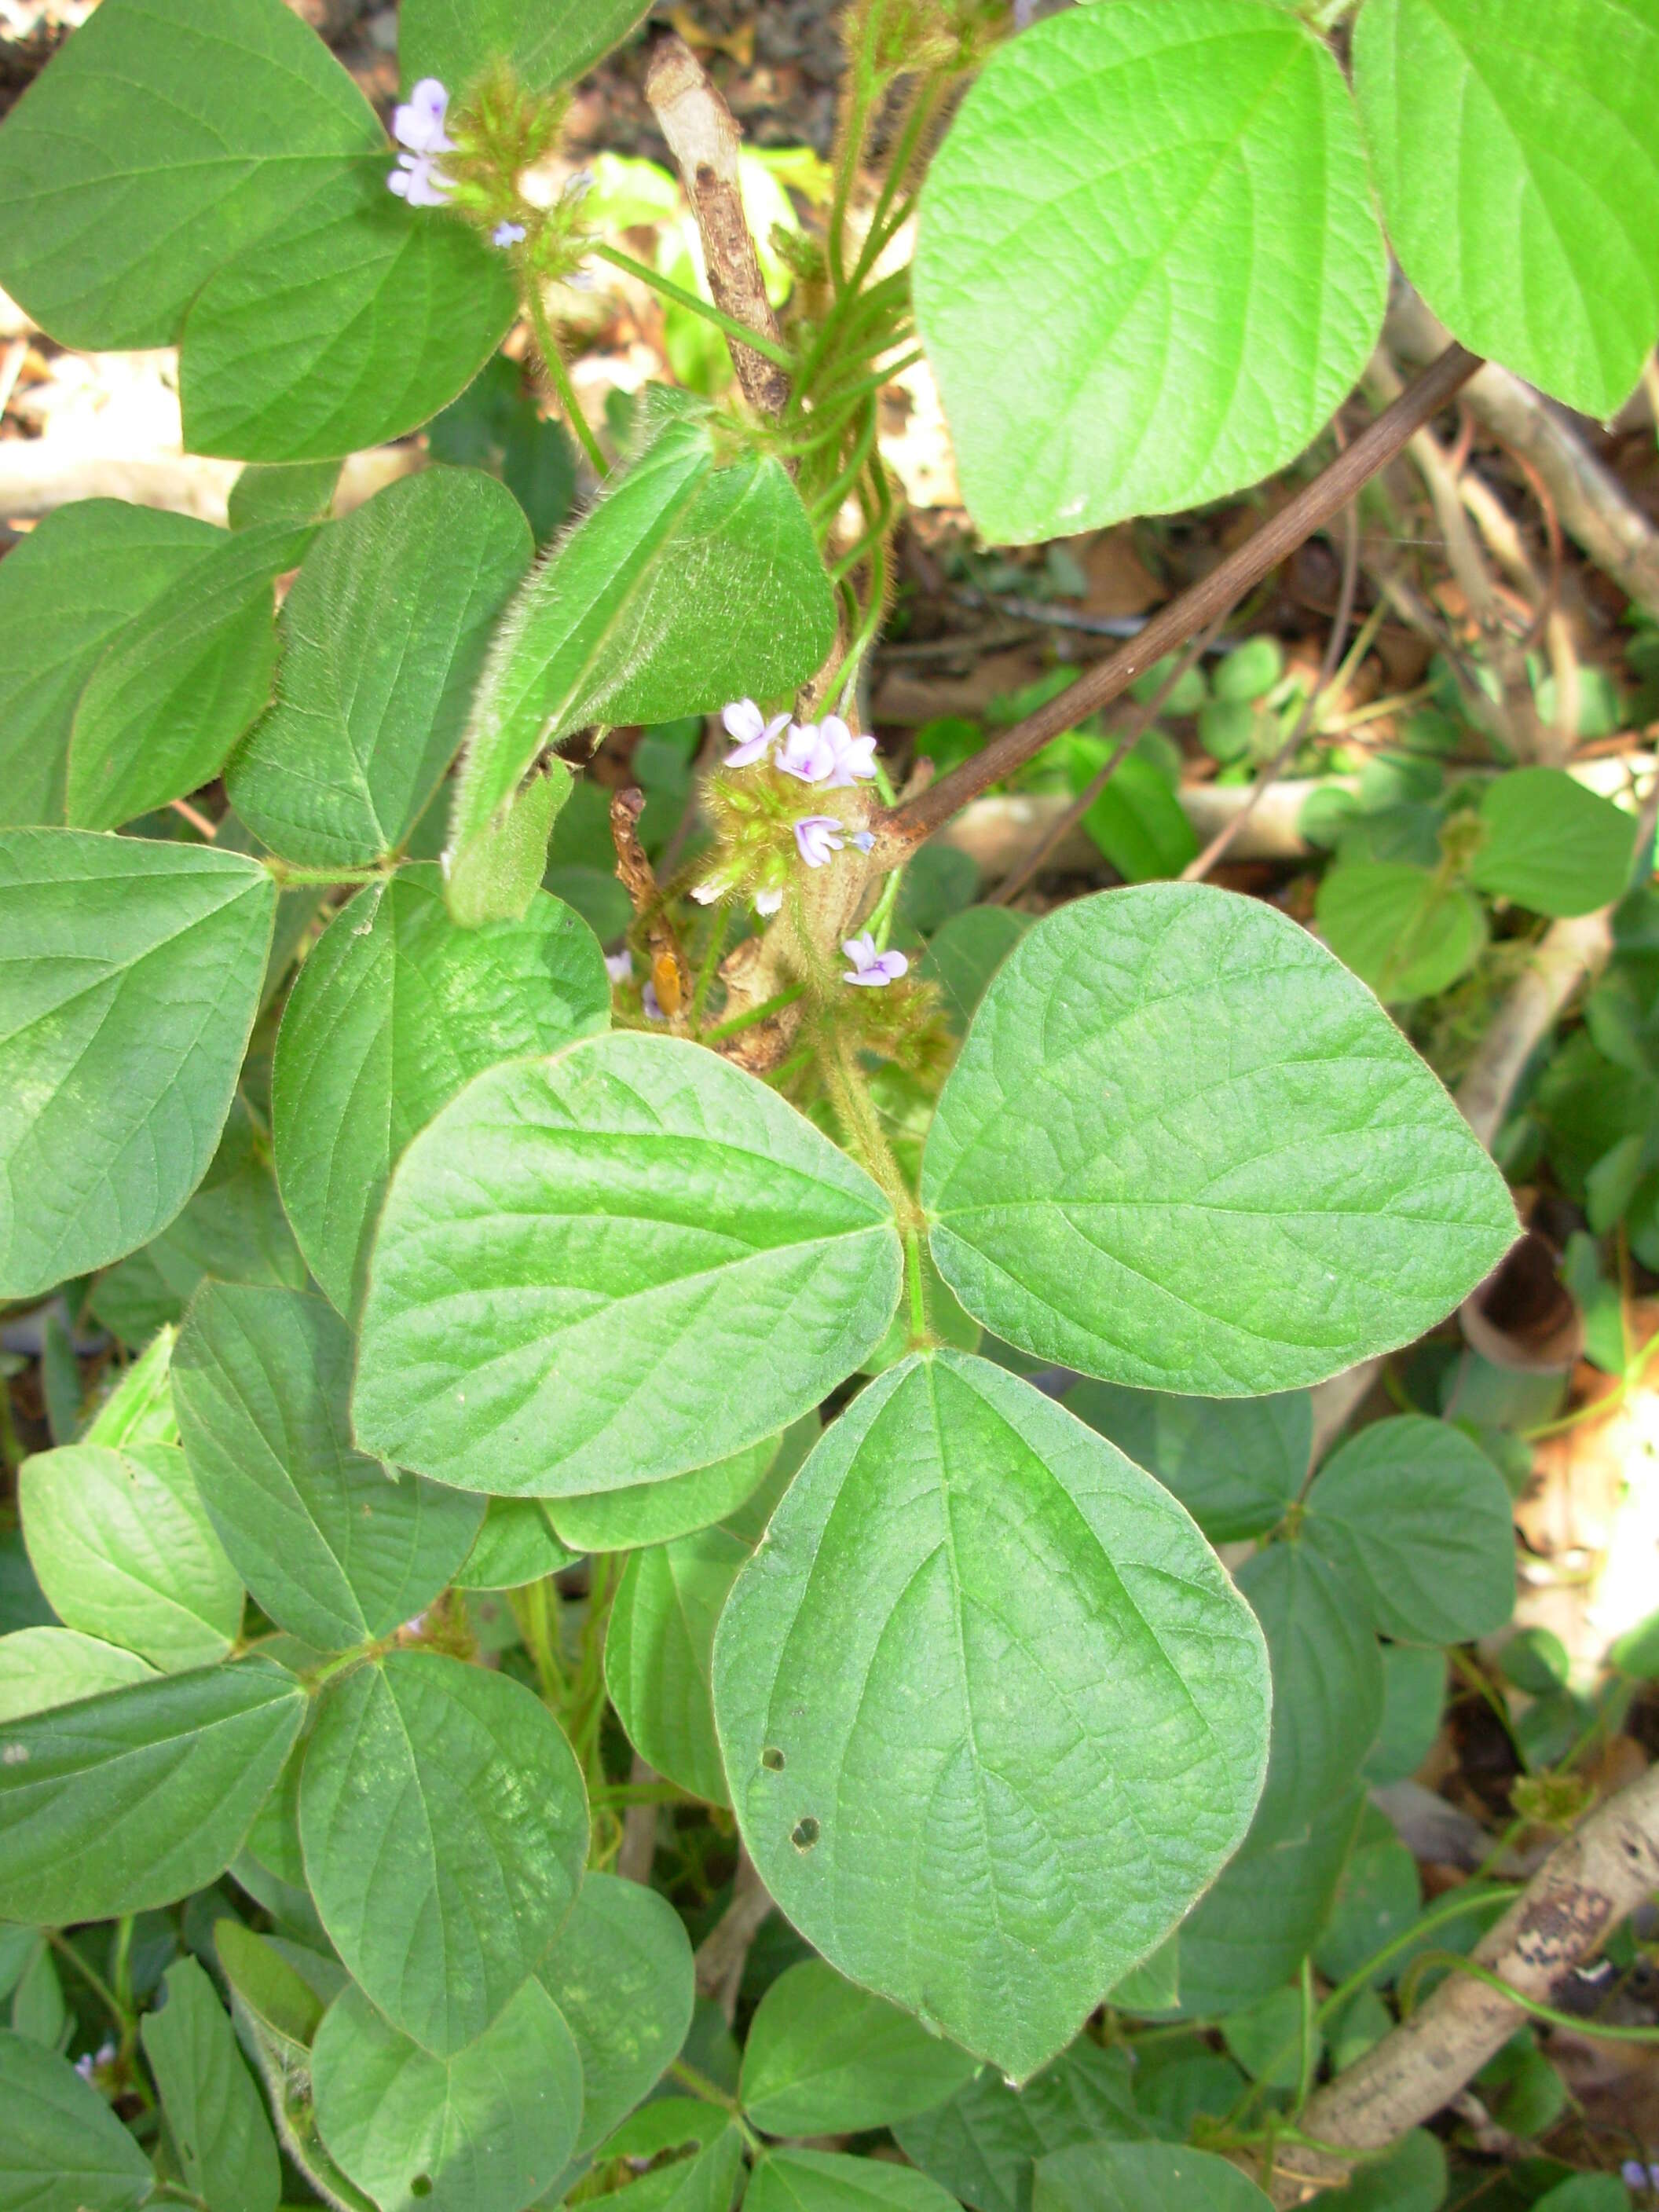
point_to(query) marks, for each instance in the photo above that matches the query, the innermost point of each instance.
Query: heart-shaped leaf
(621, 1973)
(979, 1664)
(1183, 1149)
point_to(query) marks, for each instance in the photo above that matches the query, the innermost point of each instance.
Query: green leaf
(544, 42)
(1183, 1149)
(494, 875)
(233, 1228)
(1413, 2178)
(489, 2129)
(1517, 159)
(983, 2145)
(659, 1654)
(335, 1548)
(284, 491)
(966, 953)
(657, 1512)
(515, 1544)
(38, 2008)
(445, 1827)
(1417, 1514)
(1266, 2038)
(826, 2181)
(165, 138)
(706, 2183)
(133, 1799)
(1236, 1464)
(665, 2124)
(124, 1550)
(215, 2115)
(1413, 1694)
(66, 591)
(1584, 2192)
(40, 1667)
(62, 2149)
(1118, 2177)
(1398, 927)
(351, 326)
(621, 1973)
(127, 989)
(602, 1268)
(1250, 1932)
(1138, 824)
(1553, 846)
(139, 1408)
(1327, 1682)
(1378, 1898)
(690, 584)
(269, 1984)
(180, 685)
(382, 637)
(394, 1011)
(980, 1662)
(824, 2057)
(1182, 182)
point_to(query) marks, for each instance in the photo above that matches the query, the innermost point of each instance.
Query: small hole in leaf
(420, 2185)
(772, 1758)
(805, 1833)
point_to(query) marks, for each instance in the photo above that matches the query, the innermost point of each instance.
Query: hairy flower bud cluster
(474, 164)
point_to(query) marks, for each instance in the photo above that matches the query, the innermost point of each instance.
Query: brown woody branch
(704, 142)
(1585, 1887)
(905, 827)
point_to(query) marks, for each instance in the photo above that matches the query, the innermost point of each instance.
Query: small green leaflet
(545, 42)
(703, 2184)
(621, 1974)
(489, 2129)
(336, 1547)
(444, 1823)
(966, 952)
(599, 1269)
(824, 2057)
(1398, 927)
(1553, 846)
(657, 1512)
(890, 1727)
(40, 1667)
(1249, 1932)
(1139, 823)
(215, 121)
(1516, 154)
(982, 2145)
(692, 582)
(353, 324)
(283, 491)
(1413, 1699)
(1120, 2177)
(180, 685)
(827, 2181)
(66, 592)
(659, 1649)
(1181, 184)
(515, 1544)
(215, 2115)
(1328, 1683)
(124, 1550)
(129, 978)
(62, 2149)
(383, 635)
(1415, 1514)
(133, 1799)
(1236, 1464)
(1378, 1898)
(393, 1012)
(1182, 1148)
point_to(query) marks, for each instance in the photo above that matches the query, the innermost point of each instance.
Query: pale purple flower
(864, 839)
(577, 187)
(418, 125)
(87, 2064)
(817, 835)
(651, 1004)
(507, 233)
(755, 735)
(1635, 2175)
(767, 902)
(1025, 14)
(808, 753)
(619, 966)
(852, 759)
(869, 966)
